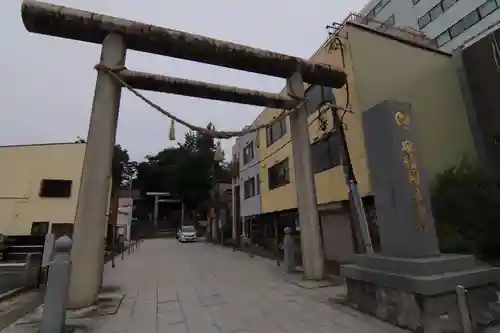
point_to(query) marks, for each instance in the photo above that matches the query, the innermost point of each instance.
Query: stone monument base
(419, 294)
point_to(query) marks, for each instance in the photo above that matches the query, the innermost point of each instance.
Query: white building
(124, 220)
(451, 23)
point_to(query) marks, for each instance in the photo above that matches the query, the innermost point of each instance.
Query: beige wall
(338, 242)
(378, 68)
(21, 171)
(284, 197)
(423, 78)
(330, 184)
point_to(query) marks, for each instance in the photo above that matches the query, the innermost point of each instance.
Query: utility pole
(130, 194)
(215, 226)
(355, 201)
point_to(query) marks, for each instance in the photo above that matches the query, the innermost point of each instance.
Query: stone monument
(410, 283)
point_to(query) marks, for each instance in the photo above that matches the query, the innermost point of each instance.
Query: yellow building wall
(22, 169)
(388, 69)
(330, 184)
(378, 68)
(284, 197)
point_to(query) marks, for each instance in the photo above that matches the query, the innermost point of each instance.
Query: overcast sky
(48, 83)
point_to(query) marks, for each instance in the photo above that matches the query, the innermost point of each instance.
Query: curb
(11, 293)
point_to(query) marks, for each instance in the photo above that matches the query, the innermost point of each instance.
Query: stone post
(155, 214)
(90, 220)
(235, 216)
(289, 250)
(32, 270)
(56, 294)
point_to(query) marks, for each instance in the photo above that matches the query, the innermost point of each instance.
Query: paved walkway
(203, 288)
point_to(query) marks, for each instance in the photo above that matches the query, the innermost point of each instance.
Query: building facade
(450, 23)
(478, 66)
(249, 177)
(404, 70)
(124, 218)
(40, 185)
(246, 181)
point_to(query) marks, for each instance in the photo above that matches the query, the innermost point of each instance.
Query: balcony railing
(406, 33)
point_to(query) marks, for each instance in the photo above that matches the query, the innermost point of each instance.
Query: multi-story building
(479, 67)
(39, 187)
(246, 153)
(450, 23)
(381, 64)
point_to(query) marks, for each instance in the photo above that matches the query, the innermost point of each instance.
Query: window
(436, 11)
(279, 174)
(249, 188)
(446, 4)
(424, 20)
(325, 153)
(248, 153)
(487, 8)
(276, 131)
(55, 188)
(40, 228)
(443, 38)
(317, 96)
(468, 21)
(377, 8)
(464, 24)
(390, 21)
(382, 4)
(257, 184)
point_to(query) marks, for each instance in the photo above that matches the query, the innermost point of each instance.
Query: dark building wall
(481, 71)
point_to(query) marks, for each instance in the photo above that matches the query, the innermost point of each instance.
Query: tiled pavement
(202, 288)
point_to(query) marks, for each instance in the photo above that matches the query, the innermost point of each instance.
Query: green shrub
(466, 206)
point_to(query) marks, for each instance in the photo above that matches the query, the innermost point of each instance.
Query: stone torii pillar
(88, 249)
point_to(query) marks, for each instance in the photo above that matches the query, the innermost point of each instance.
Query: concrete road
(10, 278)
(203, 288)
(19, 305)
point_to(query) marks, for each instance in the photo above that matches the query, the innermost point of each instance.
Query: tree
(123, 169)
(466, 207)
(184, 171)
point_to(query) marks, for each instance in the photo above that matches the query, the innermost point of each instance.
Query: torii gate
(116, 36)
